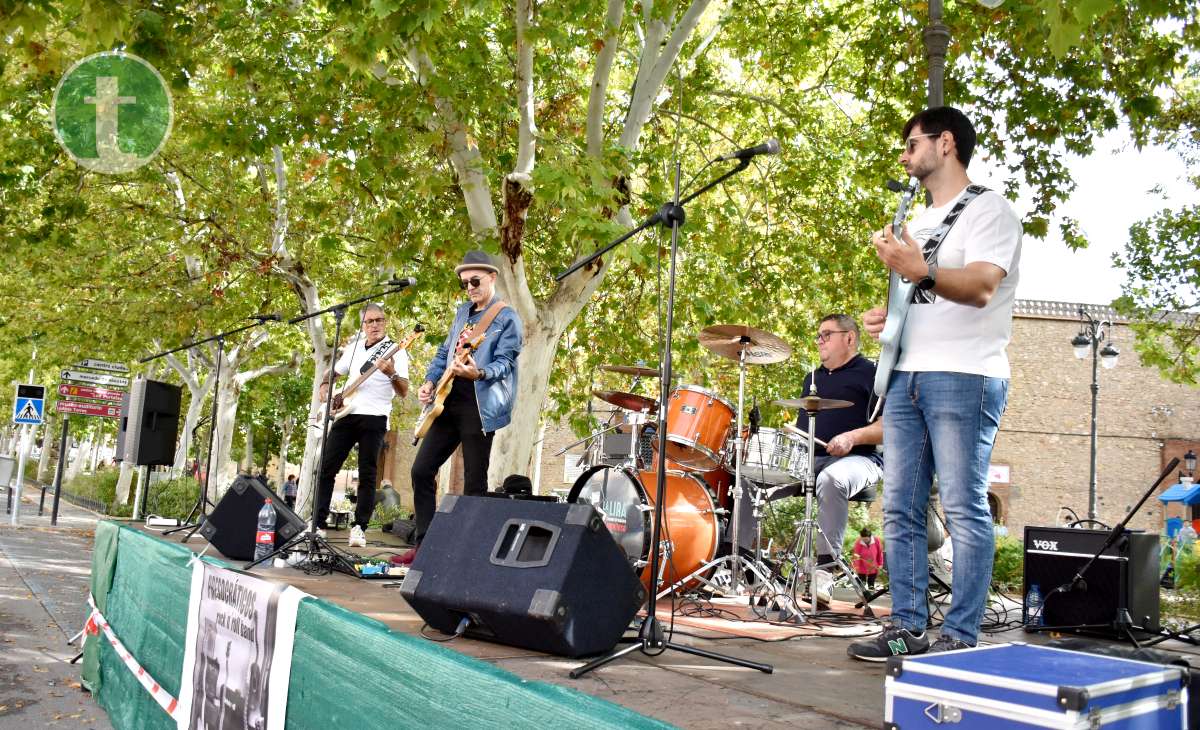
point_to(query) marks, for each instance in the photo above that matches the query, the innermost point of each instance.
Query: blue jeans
(945, 423)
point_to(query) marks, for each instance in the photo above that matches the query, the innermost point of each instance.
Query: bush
(1008, 569)
(173, 497)
(95, 491)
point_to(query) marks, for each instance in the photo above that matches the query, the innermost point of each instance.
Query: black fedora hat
(477, 260)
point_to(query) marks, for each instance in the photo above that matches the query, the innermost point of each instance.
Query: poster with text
(238, 658)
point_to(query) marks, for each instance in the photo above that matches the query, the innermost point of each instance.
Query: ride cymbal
(729, 340)
(812, 403)
(628, 401)
(635, 370)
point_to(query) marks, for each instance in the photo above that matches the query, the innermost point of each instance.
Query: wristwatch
(929, 281)
(394, 377)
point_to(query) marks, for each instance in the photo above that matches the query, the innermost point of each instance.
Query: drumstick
(797, 432)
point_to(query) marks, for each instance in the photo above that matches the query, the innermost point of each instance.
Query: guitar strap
(486, 320)
(380, 348)
(930, 249)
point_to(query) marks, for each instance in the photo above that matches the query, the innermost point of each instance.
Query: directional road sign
(88, 409)
(77, 392)
(29, 405)
(112, 367)
(94, 378)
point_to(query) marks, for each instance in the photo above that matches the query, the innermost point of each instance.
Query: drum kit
(713, 457)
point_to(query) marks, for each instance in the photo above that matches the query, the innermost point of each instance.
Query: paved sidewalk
(44, 573)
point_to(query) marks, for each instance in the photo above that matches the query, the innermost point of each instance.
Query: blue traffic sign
(29, 405)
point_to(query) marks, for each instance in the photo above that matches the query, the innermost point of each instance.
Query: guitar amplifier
(1126, 574)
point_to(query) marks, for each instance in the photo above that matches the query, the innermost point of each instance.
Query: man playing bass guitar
(949, 386)
(481, 396)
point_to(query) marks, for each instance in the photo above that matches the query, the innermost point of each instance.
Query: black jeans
(458, 424)
(368, 432)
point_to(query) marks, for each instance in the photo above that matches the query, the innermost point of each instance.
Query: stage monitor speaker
(233, 523)
(532, 574)
(152, 423)
(1125, 575)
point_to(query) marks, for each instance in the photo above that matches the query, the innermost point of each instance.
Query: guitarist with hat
(949, 384)
(366, 421)
(479, 356)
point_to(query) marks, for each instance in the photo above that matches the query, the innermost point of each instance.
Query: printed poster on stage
(238, 658)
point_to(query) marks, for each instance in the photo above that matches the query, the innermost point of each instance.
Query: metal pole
(58, 470)
(937, 40)
(1096, 337)
(22, 456)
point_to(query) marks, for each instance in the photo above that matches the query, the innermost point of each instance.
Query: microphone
(895, 186)
(770, 147)
(755, 418)
(273, 317)
(402, 283)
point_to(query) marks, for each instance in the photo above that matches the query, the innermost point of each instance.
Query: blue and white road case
(1025, 686)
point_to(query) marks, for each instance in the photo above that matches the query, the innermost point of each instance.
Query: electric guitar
(900, 296)
(343, 399)
(444, 385)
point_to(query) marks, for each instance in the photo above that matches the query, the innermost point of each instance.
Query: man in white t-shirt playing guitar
(949, 386)
(366, 423)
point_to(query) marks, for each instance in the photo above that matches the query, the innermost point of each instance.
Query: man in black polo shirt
(850, 464)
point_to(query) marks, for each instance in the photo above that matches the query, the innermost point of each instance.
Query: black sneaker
(947, 643)
(894, 641)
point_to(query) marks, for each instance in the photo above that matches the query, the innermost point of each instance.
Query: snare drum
(625, 499)
(771, 456)
(698, 423)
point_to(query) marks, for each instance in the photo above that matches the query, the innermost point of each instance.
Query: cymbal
(812, 403)
(628, 401)
(728, 340)
(636, 370)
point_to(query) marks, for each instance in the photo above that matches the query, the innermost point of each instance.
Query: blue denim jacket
(496, 357)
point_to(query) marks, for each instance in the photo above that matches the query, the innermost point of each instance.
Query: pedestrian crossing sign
(29, 405)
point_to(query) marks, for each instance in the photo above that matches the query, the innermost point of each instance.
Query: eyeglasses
(473, 282)
(824, 336)
(375, 320)
(910, 145)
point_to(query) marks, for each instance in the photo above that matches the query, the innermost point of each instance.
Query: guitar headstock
(411, 337)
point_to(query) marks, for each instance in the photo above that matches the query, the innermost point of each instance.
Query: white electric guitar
(900, 296)
(342, 400)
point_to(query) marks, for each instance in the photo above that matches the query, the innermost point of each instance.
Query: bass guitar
(900, 296)
(343, 399)
(444, 385)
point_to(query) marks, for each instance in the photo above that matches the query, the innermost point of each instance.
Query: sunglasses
(473, 282)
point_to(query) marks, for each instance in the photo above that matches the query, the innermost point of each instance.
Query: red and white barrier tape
(97, 623)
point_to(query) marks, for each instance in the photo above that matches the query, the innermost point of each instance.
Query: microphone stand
(316, 543)
(199, 511)
(1123, 622)
(651, 640)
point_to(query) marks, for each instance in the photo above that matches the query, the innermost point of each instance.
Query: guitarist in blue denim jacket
(481, 396)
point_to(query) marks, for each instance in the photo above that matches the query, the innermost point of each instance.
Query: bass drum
(625, 499)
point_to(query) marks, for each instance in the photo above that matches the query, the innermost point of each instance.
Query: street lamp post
(1091, 333)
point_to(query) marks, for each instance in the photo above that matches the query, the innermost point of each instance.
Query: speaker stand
(318, 547)
(1122, 623)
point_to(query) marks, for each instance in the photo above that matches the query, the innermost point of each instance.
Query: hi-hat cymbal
(812, 403)
(628, 401)
(636, 370)
(761, 347)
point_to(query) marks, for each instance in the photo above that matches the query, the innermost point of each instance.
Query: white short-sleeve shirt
(374, 396)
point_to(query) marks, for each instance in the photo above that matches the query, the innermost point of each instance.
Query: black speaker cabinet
(1125, 575)
(533, 574)
(232, 524)
(150, 423)
(122, 429)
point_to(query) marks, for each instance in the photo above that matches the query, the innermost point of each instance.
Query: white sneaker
(824, 581)
(357, 537)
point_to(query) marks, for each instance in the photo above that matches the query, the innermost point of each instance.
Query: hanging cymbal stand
(809, 530)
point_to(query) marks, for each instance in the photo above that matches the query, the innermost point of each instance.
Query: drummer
(850, 463)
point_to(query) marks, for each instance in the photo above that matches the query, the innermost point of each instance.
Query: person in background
(289, 491)
(868, 556)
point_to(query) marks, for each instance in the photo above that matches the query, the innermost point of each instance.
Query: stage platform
(814, 685)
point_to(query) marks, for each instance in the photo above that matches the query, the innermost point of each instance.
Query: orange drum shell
(689, 523)
(698, 422)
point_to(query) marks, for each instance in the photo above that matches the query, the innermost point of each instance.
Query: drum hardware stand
(199, 510)
(651, 636)
(1122, 623)
(809, 530)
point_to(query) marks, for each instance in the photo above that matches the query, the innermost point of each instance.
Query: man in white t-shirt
(950, 384)
(366, 422)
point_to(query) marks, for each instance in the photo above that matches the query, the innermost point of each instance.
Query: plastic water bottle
(1033, 606)
(264, 538)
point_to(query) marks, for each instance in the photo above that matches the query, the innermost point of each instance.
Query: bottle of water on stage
(264, 538)
(1033, 606)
